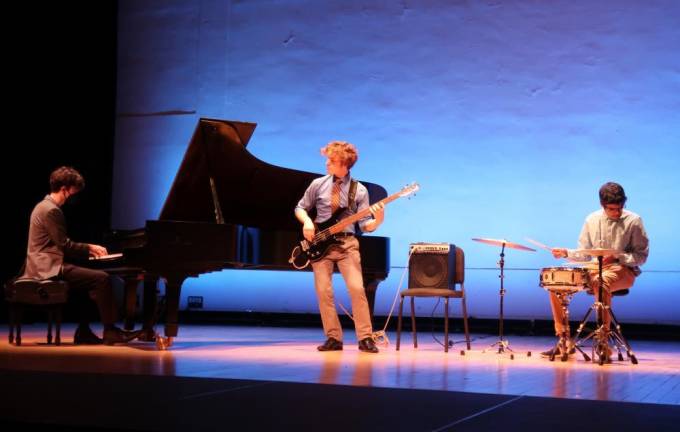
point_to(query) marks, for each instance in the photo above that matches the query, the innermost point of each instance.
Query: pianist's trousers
(83, 281)
(348, 259)
(615, 278)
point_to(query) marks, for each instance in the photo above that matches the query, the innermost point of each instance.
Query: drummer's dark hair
(612, 193)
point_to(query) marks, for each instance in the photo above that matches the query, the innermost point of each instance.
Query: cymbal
(496, 242)
(598, 252)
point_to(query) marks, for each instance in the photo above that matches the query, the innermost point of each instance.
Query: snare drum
(564, 278)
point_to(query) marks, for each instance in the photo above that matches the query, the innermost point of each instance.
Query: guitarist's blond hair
(345, 152)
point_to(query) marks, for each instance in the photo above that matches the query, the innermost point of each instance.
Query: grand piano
(226, 209)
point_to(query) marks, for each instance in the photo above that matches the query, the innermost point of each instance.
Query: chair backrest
(459, 277)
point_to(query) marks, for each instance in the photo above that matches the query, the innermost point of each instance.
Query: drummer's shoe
(608, 354)
(556, 351)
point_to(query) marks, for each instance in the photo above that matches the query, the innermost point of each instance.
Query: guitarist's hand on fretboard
(378, 212)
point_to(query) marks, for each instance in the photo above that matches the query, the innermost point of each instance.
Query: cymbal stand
(601, 335)
(502, 344)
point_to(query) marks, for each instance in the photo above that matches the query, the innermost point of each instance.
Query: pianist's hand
(96, 250)
(308, 230)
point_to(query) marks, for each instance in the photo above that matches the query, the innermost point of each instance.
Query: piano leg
(173, 288)
(131, 283)
(150, 312)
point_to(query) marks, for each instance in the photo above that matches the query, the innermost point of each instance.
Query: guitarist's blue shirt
(318, 195)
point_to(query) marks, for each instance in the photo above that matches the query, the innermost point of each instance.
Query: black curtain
(61, 83)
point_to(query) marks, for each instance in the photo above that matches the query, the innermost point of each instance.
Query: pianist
(326, 195)
(49, 248)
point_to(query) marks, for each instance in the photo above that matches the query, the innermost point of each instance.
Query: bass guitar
(326, 232)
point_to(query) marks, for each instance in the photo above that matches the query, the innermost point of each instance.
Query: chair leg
(57, 313)
(465, 324)
(50, 317)
(401, 309)
(446, 324)
(413, 323)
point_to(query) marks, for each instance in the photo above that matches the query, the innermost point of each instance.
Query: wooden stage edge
(288, 354)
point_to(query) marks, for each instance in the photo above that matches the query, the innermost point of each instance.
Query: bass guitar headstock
(409, 190)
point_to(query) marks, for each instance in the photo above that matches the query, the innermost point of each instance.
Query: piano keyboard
(107, 257)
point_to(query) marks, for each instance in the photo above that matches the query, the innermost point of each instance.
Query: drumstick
(549, 249)
(541, 245)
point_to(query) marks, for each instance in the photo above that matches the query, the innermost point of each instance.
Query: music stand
(502, 344)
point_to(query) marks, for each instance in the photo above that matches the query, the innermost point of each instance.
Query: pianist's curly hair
(344, 151)
(66, 176)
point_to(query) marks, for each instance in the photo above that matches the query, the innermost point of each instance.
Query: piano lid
(250, 192)
(190, 197)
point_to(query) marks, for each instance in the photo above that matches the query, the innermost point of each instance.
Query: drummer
(609, 228)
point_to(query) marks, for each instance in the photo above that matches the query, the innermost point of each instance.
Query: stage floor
(290, 355)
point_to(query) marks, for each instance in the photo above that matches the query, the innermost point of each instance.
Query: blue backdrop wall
(510, 115)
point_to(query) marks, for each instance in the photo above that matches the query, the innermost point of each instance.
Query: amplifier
(432, 265)
(436, 248)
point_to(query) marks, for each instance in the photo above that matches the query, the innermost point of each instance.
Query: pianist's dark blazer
(48, 243)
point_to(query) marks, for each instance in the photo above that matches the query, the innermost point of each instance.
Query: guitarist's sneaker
(330, 345)
(367, 345)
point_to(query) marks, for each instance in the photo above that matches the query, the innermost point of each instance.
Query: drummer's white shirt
(626, 234)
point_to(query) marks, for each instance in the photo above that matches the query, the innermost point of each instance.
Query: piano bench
(48, 295)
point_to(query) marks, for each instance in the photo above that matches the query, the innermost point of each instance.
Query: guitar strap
(352, 194)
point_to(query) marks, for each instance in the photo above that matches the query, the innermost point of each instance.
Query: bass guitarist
(330, 195)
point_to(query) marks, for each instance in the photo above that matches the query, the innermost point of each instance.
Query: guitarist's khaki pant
(348, 260)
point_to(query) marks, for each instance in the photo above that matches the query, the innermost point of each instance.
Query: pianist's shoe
(85, 336)
(331, 344)
(117, 336)
(147, 335)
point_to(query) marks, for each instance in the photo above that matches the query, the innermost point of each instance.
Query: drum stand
(502, 344)
(564, 343)
(601, 335)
